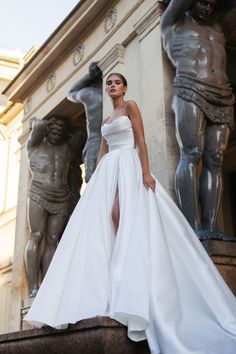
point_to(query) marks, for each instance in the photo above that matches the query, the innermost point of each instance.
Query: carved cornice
(110, 19)
(149, 21)
(61, 42)
(24, 137)
(28, 105)
(6, 267)
(11, 111)
(113, 58)
(51, 81)
(78, 54)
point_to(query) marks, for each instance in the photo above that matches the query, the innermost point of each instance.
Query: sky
(24, 23)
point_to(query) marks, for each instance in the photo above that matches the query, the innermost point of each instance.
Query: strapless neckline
(123, 116)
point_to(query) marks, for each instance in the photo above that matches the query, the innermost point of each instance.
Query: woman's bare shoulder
(132, 108)
(131, 105)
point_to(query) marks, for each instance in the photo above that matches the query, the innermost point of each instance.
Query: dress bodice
(119, 133)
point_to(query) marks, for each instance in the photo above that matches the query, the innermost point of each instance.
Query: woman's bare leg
(116, 212)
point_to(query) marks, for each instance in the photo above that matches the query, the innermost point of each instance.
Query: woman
(128, 253)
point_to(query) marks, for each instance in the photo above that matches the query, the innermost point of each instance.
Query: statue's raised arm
(91, 79)
(88, 91)
(85, 81)
(228, 18)
(174, 12)
(39, 130)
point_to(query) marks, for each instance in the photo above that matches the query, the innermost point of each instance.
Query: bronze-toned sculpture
(51, 149)
(202, 102)
(88, 91)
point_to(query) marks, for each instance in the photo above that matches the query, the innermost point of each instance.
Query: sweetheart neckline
(116, 120)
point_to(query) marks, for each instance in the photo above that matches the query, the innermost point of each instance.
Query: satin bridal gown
(153, 276)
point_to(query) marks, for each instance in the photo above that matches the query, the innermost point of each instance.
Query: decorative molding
(110, 19)
(148, 22)
(51, 81)
(23, 138)
(76, 29)
(6, 267)
(78, 54)
(12, 110)
(114, 57)
(3, 100)
(87, 59)
(28, 105)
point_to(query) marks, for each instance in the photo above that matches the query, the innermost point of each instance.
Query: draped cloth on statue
(154, 276)
(215, 101)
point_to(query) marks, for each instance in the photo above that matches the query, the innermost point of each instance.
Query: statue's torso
(49, 165)
(197, 50)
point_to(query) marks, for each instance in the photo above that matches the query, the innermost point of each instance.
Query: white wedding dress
(154, 276)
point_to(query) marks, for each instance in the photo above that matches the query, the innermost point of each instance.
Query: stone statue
(51, 148)
(194, 37)
(88, 91)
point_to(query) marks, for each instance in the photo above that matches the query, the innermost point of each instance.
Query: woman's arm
(103, 150)
(137, 124)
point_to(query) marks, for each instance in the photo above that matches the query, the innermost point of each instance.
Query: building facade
(10, 129)
(11, 115)
(122, 36)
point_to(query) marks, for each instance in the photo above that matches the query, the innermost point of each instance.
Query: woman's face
(115, 87)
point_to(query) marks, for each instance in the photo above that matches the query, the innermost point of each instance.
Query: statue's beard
(55, 140)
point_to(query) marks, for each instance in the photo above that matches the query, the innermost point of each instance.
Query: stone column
(19, 281)
(113, 61)
(156, 76)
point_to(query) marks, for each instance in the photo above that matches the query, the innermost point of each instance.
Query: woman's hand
(149, 181)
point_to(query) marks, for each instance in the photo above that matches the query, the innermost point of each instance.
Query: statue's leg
(37, 221)
(55, 227)
(190, 132)
(217, 137)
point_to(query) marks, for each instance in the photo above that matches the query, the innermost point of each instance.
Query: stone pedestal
(26, 304)
(223, 254)
(220, 248)
(227, 268)
(99, 335)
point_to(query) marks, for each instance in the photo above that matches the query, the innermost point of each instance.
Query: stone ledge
(220, 248)
(99, 335)
(223, 254)
(227, 268)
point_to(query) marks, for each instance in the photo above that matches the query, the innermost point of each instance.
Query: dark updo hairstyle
(123, 79)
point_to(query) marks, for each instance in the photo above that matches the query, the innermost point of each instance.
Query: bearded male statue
(194, 34)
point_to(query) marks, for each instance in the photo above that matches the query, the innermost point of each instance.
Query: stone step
(99, 335)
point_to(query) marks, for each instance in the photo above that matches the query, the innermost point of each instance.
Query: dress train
(153, 276)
